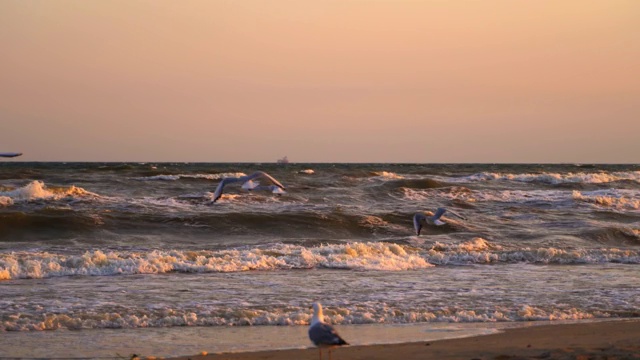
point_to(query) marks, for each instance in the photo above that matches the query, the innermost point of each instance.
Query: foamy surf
(615, 199)
(207, 315)
(553, 178)
(377, 256)
(175, 177)
(5, 201)
(358, 256)
(387, 175)
(37, 190)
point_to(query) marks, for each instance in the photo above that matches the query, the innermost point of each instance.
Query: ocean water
(138, 250)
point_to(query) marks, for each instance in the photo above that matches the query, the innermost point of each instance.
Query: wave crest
(607, 200)
(210, 315)
(37, 190)
(556, 178)
(364, 256)
(387, 175)
(175, 177)
(371, 256)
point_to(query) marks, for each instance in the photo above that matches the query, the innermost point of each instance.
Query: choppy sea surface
(90, 249)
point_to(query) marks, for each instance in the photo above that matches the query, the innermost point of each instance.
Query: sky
(459, 81)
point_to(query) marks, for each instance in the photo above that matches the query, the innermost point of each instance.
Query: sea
(106, 260)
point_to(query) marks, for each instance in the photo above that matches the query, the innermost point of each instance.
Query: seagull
(252, 186)
(322, 334)
(420, 218)
(248, 184)
(9, 155)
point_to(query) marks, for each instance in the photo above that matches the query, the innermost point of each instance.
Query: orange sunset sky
(320, 81)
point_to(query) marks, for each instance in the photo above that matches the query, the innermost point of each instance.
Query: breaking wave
(371, 256)
(555, 178)
(37, 190)
(387, 175)
(5, 201)
(118, 317)
(609, 199)
(176, 177)
(365, 256)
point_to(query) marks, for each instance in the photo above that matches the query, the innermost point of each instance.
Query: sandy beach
(584, 341)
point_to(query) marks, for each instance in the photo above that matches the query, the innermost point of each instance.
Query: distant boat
(284, 160)
(10, 154)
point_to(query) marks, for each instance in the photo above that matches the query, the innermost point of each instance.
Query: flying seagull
(322, 334)
(248, 183)
(10, 154)
(252, 186)
(420, 218)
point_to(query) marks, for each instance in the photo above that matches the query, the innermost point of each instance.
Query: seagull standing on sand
(248, 184)
(420, 218)
(322, 334)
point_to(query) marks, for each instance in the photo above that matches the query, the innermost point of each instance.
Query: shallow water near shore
(182, 341)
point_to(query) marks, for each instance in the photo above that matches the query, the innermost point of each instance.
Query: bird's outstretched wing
(8, 155)
(439, 213)
(435, 219)
(322, 334)
(418, 219)
(266, 176)
(218, 193)
(248, 183)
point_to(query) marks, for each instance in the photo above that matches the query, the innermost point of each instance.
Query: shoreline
(617, 339)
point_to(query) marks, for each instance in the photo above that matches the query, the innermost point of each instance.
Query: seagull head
(317, 313)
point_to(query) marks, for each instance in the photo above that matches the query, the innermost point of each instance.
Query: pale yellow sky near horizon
(321, 81)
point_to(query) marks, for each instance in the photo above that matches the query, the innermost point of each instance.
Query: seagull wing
(250, 185)
(439, 213)
(10, 154)
(218, 193)
(266, 176)
(438, 222)
(322, 334)
(418, 218)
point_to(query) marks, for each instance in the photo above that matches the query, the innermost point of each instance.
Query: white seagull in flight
(248, 184)
(322, 334)
(252, 186)
(420, 218)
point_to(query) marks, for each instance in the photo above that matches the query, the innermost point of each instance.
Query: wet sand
(583, 341)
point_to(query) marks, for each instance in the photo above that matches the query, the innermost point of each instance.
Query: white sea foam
(5, 201)
(616, 199)
(362, 256)
(387, 175)
(552, 178)
(190, 176)
(366, 256)
(37, 190)
(480, 251)
(487, 195)
(203, 315)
